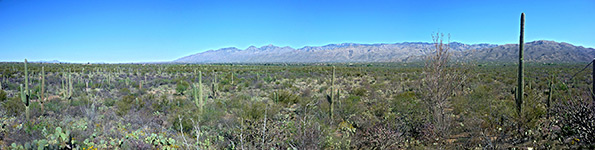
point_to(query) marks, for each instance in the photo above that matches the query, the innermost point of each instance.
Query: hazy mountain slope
(536, 51)
(346, 52)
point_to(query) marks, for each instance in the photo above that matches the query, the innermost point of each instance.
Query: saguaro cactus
(275, 97)
(197, 92)
(214, 85)
(42, 83)
(25, 93)
(26, 81)
(331, 96)
(521, 82)
(549, 96)
(70, 86)
(42, 89)
(109, 79)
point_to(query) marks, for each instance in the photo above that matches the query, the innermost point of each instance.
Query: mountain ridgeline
(537, 51)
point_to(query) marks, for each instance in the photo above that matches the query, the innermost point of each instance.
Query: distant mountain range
(536, 51)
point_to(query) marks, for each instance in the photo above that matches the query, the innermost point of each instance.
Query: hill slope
(346, 52)
(536, 51)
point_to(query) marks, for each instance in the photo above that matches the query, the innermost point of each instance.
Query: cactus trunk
(549, 96)
(42, 89)
(42, 82)
(108, 79)
(332, 96)
(520, 86)
(197, 92)
(25, 93)
(69, 86)
(26, 80)
(214, 85)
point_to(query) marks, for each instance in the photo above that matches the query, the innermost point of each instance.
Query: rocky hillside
(536, 51)
(346, 52)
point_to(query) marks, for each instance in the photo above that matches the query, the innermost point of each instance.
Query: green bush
(285, 97)
(410, 110)
(54, 105)
(124, 105)
(182, 86)
(2, 96)
(109, 102)
(360, 91)
(14, 106)
(351, 106)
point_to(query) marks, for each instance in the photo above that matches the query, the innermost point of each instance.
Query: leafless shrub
(440, 82)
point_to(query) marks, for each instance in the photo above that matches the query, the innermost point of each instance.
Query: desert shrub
(81, 101)
(13, 106)
(285, 97)
(109, 102)
(359, 92)
(379, 136)
(124, 91)
(350, 106)
(287, 84)
(186, 113)
(54, 105)
(159, 82)
(440, 82)
(161, 104)
(2, 96)
(410, 110)
(576, 122)
(182, 86)
(254, 110)
(124, 105)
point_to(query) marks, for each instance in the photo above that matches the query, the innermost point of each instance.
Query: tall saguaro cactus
(521, 82)
(26, 81)
(197, 92)
(42, 83)
(42, 89)
(25, 93)
(331, 96)
(549, 96)
(214, 85)
(70, 86)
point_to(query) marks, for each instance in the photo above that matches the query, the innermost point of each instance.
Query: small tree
(439, 83)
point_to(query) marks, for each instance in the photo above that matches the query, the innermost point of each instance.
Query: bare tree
(439, 84)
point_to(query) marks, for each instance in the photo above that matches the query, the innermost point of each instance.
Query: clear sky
(121, 31)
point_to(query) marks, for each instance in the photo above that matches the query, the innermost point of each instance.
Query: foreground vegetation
(297, 106)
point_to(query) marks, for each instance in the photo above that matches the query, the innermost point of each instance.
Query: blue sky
(121, 31)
